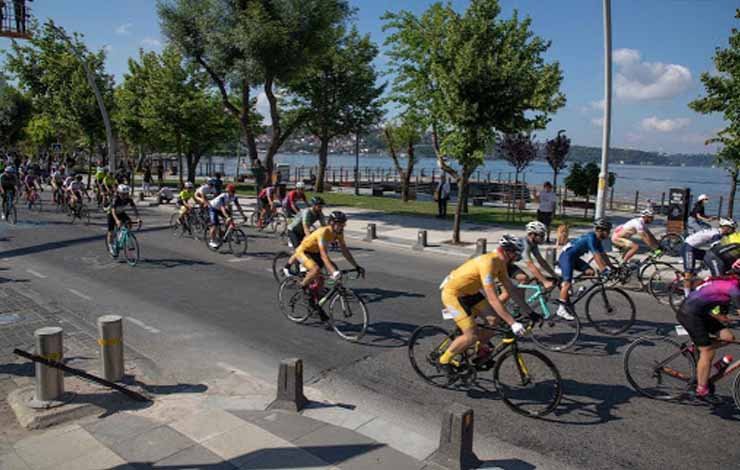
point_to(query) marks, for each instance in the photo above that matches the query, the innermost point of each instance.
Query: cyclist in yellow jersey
(183, 200)
(470, 290)
(312, 253)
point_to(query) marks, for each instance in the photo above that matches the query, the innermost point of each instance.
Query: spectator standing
(547, 207)
(218, 184)
(442, 194)
(147, 186)
(259, 174)
(160, 174)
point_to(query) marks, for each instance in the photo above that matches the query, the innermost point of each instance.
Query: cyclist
(204, 192)
(183, 202)
(8, 183)
(290, 203)
(100, 173)
(699, 219)
(570, 260)
(31, 182)
(696, 316)
(470, 290)
(57, 179)
(313, 251)
(692, 250)
(526, 269)
(220, 206)
(301, 225)
(117, 215)
(75, 189)
(267, 199)
(724, 256)
(637, 226)
(110, 186)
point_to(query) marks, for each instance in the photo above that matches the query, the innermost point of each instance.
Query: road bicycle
(34, 200)
(10, 213)
(552, 332)
(672, 242)
(336, 304)
(644, 268)
(527, 380)
(274, 221)
(664, 368)
(79, 211)
(231, 235)
(124, 241)
(609, 309)
(195, 223)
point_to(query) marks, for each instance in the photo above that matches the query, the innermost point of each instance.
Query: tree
(15, 114)
(556, 153)
(338, 95)
(584, 181)
(519, 150)
(723, 96)
(248, 45)
(474, 75)
(404, 135)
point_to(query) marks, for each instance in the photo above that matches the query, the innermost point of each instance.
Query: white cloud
(263, 107)
(633, 137)
(652, 123)
(108, 48)
(597, 105)
(598, 122)
(124, 29)
(640, 81)
(151, 43)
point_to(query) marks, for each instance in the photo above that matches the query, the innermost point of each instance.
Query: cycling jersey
(76, 186)
(570, 258)
(731, 239)
(30, 180)
(8, 181)
(475, 274)
(185, 195)
(205, 190)
(267, 192)
(720, 258)
(120, 203)
(99, 176)
(224, 200)
(698, 210)
(630, 228)
(109, 181)
(293, 197)
(695, 312)
(308, 217)
(321, 237)
(57, 177)
(703, 237)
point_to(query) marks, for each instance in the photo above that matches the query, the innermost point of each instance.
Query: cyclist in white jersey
(695, 247)
(621, 238)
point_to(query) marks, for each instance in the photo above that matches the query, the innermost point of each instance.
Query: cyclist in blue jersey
(570, 260)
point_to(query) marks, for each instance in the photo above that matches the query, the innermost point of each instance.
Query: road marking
(79, 294)
(36, 273)
(238, 260)
(232, 369)
(269, 270)
(143, 325)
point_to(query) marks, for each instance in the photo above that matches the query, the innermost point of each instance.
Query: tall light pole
(606, 131)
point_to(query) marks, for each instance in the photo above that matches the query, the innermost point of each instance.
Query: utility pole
(357, 163)
(606, 131)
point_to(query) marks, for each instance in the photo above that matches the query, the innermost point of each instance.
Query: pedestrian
(259, 174)
(218, 185)
(698, 219)
(165, 195)
(442, 195)
(20, 15)
(160, 174)
(547, 207)
(2, 14)
(147, 186)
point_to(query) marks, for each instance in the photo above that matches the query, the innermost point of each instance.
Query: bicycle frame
(538, 295)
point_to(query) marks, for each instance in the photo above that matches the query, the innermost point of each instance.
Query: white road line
(238, 260)
(36, 273)
(232, 369)
(269, 270)
(80, 294)
(143, 325)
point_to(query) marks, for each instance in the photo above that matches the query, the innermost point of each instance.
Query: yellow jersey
(321, 237)
(731, 238)
(475, 274)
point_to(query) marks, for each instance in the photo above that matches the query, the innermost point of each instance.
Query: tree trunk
(89, 162)
(462, 183)
(406, 176)
(733, 189)
(179, 161)
(585, 211)
(192, 161)
(323, 159)
(554, 180)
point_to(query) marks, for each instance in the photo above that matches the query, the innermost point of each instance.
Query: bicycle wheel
(528, 381)
(175, 225)
(254, 219)
(278, 263)
(658, 367)
(248, 218)
(279, 224)
(610, 310)
(348, 315)
(12, 217)
(736, 390)
(676, 295)
(426, 345)
(131, 249)
(554, 333)
(85, 215)
(671, 243)
(110, 249)
(198, 227)
(662, 282)
(646, 272)
(207, 240)
(237, 242)
(294, 301)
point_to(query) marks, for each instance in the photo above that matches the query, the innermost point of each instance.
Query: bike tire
(660, 285)
(237, 242)
(85, 215)
(293, 302)
(131, 249)
(555, 333)
(175, 225)
(278, 263)
(611, 326)
(12, 217)
(279, 224)
(650, 381)
(646, 272)
(676, 295)
(426, 344)
(513, 378)
(671, 243)
(348, 315)
(198, 227)
(736, 390)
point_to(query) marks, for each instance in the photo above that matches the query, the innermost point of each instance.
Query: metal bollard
(455, 449)
(371, 233)
(481, 246)
(110, 339)
(421, 240)
(49, 380)
(550, 256)
(290, 387)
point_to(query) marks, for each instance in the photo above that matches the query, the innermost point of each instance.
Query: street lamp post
(604, 173)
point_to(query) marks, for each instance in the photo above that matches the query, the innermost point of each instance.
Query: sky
(660, 49)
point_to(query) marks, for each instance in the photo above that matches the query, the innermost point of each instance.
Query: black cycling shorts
(124, 218)
(699, 325)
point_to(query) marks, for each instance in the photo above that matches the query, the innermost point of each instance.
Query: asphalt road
(199, 315)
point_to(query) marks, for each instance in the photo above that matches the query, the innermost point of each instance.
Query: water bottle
(580, 289)
(722, 364)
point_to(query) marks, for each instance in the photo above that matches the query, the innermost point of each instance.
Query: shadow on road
(372, 295)
(169, 263)
(590, 403)
(385, 334)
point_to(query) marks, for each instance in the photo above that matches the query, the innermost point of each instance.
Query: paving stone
(337, 415)
(193, 458)
(284, 458)
(206, 424)
(51, 448)
(242, 441)
(102, 459)
(152, 446)
(288, 426)
(119, 427)
(11, 461)
(406, 441)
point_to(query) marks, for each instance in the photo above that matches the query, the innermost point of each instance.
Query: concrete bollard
(455, 449)
(371, 233)
(110, 339)
(550, 256)
(49, 380)
(290, 387)
(481, 247)
(421, 240)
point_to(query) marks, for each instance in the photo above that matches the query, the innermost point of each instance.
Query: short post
(611, 199)
(421, 240)
(637, 198)
(550, 256)
(481, 247)
(455, 450)
(290, 386)
(371, 233)
(662, 202)
(49, 380)
(719, 208)
(110, 339)
(141, 196)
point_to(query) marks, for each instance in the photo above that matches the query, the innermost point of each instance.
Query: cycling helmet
(338, 217)
(78, 177)
(100, 169)
(702, 197)
(317, 201)
(727, 223)
(536, 227)
(10, 169)
(602, 224)
(123, 189)
(511, 243)
(647, 213)
(300, 185)
(230, 188)
(212, 182)
(188, 185)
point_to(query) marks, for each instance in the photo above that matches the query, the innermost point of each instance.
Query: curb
(40, 419)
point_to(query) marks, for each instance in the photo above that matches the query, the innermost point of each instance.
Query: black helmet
(317, 201)
(338, 217)
(603, 224)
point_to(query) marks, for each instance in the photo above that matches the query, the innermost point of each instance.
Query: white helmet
(300, 185)
(511, 243)
(536, 227)
(647, 213)
(727, 223)
(702, 197)
(188, 185)
(123, 189)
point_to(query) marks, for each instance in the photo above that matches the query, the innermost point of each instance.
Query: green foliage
(519, 150)
(15, 113)
(556, 153)
(584, 180)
